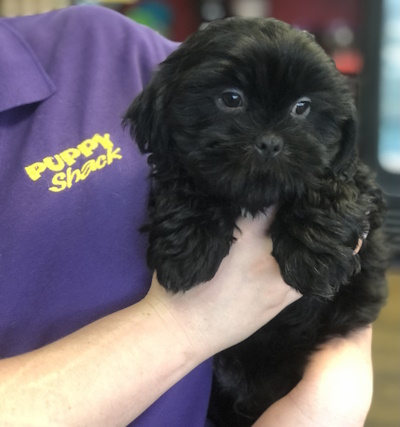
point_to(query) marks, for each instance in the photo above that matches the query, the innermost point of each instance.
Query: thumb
(257, 225)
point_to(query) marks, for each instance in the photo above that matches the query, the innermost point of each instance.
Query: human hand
(244, 295)
(336, 390)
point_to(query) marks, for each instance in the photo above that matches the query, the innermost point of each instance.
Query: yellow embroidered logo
(62, 163)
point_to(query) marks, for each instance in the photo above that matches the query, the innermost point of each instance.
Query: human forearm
(104, 374)
(335, 391)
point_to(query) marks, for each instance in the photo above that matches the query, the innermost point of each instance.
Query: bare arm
(336, 390)
(105, 374)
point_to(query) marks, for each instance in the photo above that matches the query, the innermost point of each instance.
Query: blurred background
(363, 37)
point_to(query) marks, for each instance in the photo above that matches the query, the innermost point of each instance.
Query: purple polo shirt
(73, 186)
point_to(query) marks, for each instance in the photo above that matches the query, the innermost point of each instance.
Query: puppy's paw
(315, 268)
(189, 256)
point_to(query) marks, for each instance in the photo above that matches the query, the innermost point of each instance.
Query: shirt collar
(23, 79)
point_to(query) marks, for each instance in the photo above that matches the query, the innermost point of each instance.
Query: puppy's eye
(231, 99)
(302, 107)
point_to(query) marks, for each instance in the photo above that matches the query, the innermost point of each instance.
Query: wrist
(179, 327)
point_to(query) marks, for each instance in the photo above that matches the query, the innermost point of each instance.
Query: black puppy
(245, 114)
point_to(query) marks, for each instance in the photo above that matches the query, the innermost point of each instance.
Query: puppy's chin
(250, 193)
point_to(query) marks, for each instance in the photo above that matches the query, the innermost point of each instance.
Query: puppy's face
(251, 109)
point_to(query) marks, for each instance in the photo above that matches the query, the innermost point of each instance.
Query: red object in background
(317, 15)
(314, 15)
(349, 61)
(186, 19)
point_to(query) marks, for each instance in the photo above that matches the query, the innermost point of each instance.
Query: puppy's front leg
(188, 238)
(314, 246)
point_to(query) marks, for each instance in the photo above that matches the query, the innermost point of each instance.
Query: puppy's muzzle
(269, 145)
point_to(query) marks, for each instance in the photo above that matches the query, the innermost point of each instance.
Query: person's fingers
(257, 225)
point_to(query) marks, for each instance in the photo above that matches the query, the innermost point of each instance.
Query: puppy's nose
(269, 145)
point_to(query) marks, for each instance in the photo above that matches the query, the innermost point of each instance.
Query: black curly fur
(207, 171)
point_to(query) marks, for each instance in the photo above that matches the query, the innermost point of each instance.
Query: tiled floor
(385, 410)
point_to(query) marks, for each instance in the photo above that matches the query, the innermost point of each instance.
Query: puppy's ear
(146, 119)
(348, 146)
